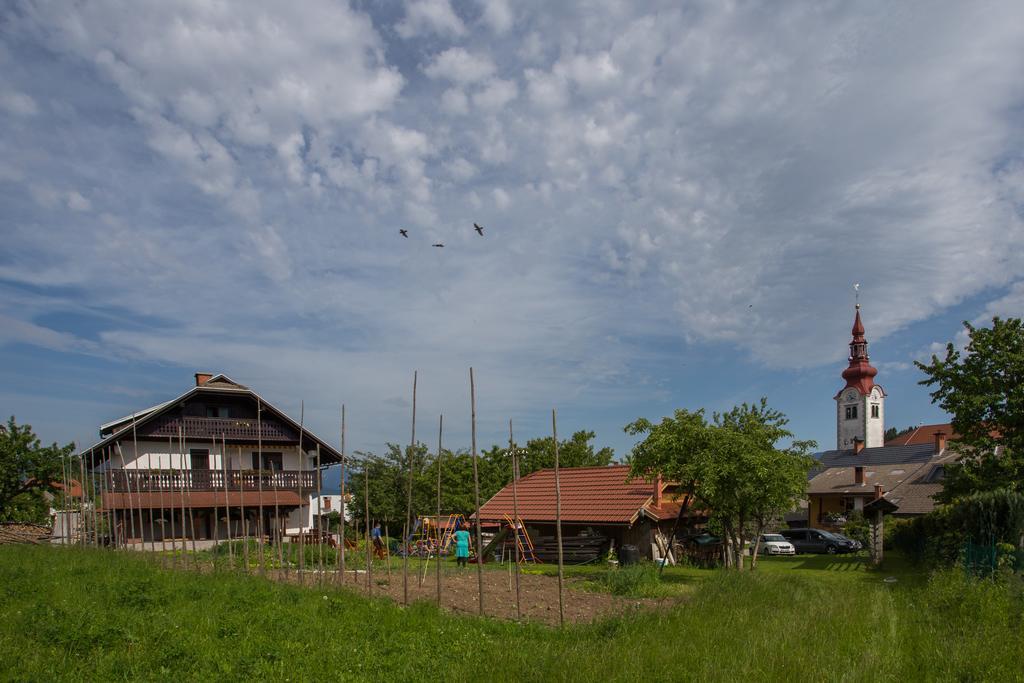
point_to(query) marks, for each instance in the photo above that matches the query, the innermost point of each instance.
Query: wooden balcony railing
(231, 428)
(146, 481)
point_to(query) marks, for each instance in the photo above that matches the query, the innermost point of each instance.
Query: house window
(851, 412)
(327, 504)
(217, 411)
(874, 410)
(199, 458)
(271, 461)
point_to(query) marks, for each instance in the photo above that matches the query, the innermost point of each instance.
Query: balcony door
(271, 461)
(199, 458)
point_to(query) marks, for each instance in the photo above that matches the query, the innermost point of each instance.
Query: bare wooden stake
(515, 517)
(259, 479)
(558, 523)
(170, 507)
(387, 551)
(81, 512)
(476, 494)
(136, 458)
(227, 499)
(302, 521)
(366, 501)
(149, 479)
(216, 508)
(341, 530)
(241, 507)
(128, 485)
(408, 499)
(440, 461)
(319, 520)
(191, 488)
(181, 481)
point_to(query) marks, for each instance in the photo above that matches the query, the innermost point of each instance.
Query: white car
(774, 544)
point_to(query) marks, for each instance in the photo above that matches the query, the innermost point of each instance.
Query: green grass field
(69, 614)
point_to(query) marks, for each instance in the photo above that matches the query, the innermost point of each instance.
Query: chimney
(858, 475)
(940, 441)
(202, 378)
(878, 491)
(858, 445)
(657, 492)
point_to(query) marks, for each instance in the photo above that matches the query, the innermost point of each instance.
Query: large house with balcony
(907, 471)
(214, 463)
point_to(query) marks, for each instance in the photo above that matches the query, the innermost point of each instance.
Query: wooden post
(278, 527)
(181, 491)
(216, 508)
(302, 521)
(440, 460)
(152, 525)
(341, 530)
(558, 523)
(241, 508)
(128, 486)
(408, 500)
(387, 551)
(191, 487)
(170, 507)
(515, 515)
(259, 484)
(227, 499)
(319, 522)
(366, 501)
(476, 494)
(81, 511)
(135, 456)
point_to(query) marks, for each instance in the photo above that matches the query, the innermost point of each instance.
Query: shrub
(634, 581)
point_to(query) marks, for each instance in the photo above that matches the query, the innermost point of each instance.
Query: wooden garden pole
(81, 512)
(440, 460)
(170, 506)
(278, 530)
(408, 499)
(302, 520)
(476, 494)
(241, 506)
(191, 488)
(387, 551)
(515, 517)
(128, 486)
(136, 459)
(259, 484)
(558, 523)
(181, 491)
(319, 522)
(341, 530)
(152, 527)
(95, 504)
(366, 501)
(216, 508)
(227, 499)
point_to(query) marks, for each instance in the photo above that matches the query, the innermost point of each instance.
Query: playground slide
(498, 539)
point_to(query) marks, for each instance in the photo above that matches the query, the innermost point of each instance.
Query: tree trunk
(757, 536)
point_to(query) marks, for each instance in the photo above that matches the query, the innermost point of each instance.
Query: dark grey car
(818, 541)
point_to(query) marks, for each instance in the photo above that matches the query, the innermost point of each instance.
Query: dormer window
(217, 411)
(851, 412)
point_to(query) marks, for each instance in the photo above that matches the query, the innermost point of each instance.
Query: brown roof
(589, 494)
(200, 499)
(923, 434)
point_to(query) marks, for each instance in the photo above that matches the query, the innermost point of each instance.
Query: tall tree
(732, 464)
(27, 469)
(983, 389)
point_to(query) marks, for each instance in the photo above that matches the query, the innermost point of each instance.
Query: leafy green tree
(732, 465)
(27, 470)
(983, 389)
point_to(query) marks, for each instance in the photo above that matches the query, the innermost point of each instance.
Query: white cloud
(77, 202)
(498, 15)
(495, 95)
(459, 66)
(430, 16)
(18, 103)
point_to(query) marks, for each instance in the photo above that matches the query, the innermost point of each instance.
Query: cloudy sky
(677, 200)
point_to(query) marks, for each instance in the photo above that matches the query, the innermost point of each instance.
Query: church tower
(860, 405)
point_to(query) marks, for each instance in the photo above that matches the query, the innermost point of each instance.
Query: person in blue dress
(462, 546)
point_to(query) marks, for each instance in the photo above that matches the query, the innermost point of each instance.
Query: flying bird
(439, 245)
(479, 229)
(403, 232)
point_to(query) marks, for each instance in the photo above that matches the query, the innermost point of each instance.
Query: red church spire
(860, 374)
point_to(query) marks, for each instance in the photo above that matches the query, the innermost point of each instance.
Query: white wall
(161, 455)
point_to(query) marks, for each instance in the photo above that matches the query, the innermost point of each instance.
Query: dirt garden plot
(539, 594)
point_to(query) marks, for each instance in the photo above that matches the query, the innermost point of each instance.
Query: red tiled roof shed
(595, 495)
